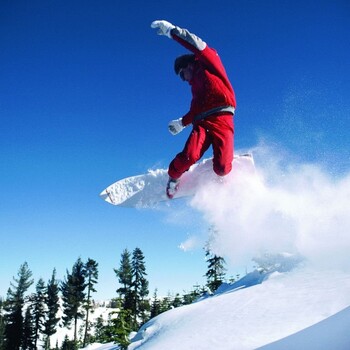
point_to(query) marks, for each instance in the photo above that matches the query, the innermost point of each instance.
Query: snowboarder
(212, 106)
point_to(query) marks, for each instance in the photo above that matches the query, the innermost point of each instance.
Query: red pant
(217, 131)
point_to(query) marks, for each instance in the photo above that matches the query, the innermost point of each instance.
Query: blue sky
(87, 89)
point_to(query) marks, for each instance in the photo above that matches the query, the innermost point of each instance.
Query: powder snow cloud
(295, 208)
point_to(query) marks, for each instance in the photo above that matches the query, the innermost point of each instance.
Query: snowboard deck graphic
(146, 190)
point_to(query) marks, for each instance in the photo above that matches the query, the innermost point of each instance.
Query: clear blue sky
(87, 89)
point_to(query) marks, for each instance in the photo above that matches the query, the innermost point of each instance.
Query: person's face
(186, 73)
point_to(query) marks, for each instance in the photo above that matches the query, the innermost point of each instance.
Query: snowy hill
(300, 309)
(251, 317)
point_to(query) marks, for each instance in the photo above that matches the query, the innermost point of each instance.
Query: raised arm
(208, 56)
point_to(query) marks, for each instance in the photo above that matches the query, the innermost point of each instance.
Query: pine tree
(99, 330)
(38, 309)
(155, 306)
(165, 304)
(190, 297)
(118, 328)
(68, 344)
(144, 304)
(124, 274)
(14, 308)
(73, 296)
(216, 270)
(140, 286)
(29, 331)
(52, 304)
(122, 329)
(177, 301)
(91, 275)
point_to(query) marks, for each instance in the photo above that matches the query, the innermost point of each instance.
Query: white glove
(164, 27)
(175, 126)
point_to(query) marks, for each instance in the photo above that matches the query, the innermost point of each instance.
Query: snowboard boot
(172, 187)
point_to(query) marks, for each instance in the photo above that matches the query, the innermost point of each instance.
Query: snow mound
(332, 333)
(247, 318)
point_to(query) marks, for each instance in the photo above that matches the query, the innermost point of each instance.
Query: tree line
(30, 320)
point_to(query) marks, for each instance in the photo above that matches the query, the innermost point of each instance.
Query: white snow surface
(299, 309)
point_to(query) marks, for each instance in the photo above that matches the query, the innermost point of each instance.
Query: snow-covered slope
(300, 309)
(332, 333)
(252, 317)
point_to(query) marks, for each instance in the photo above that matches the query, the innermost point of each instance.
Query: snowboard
(146, 190)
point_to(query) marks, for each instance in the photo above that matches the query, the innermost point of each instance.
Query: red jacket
(210, 85)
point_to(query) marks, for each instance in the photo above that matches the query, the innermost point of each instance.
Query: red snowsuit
(211, 92)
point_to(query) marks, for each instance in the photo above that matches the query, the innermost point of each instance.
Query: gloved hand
(164, 27)
(175, 126)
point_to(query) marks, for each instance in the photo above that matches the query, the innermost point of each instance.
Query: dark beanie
(183, 61)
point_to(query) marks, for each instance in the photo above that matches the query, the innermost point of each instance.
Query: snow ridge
(259, 309)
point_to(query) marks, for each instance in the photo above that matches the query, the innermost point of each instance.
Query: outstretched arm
(208, 56)
(183, 36)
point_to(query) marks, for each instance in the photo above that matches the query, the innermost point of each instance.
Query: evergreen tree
(140, 286)
(189, 298)
(144, 304)
(68, 344)
(29, 331)
(99, 330)
(14, 308)
(165, 303)
(216, 270)
(177, 301)
(52, 304)
(122, 329)
(73, 296)
(118, 328)
(38, 308)
(124, 275)
(158, 306)
(91, 275)
(155, 305)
